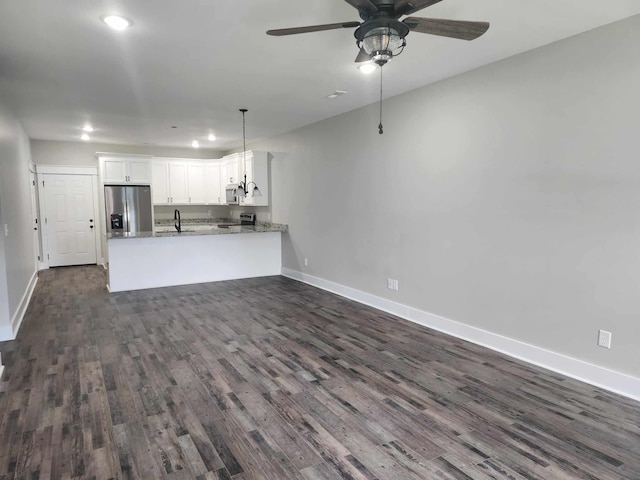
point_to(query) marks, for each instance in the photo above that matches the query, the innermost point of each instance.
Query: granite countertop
(194, 227)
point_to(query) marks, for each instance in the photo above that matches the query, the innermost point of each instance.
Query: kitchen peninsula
(200, 253)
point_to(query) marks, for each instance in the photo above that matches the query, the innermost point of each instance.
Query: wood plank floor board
(272, 379)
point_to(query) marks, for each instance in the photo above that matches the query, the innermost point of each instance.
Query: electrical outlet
(209, 212)
(392, 284)
(604, 339)
(306, 262)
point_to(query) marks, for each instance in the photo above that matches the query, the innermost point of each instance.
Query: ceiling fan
(381, 35)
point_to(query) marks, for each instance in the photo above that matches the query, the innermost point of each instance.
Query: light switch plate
(6, 230)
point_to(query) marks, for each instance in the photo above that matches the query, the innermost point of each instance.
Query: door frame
(35, 215)
(42, 170)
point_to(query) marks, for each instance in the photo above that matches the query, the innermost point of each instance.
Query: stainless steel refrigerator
(128, 209)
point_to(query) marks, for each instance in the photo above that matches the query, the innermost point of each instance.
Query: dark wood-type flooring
(273, 379)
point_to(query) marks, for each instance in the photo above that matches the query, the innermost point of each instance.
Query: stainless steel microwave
(231, 190)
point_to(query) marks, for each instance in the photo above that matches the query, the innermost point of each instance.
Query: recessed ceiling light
(212, 137)
(117, 22)
(195, 144)
(87, 128)
(367, 68)
(85, 137)
(336, 94)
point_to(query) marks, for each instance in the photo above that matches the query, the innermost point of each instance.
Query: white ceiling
(193, 63)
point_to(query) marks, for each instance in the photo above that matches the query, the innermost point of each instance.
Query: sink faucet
(176, 217)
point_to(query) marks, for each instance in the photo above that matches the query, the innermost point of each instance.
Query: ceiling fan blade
(363, 6)
(362, 56)
(313, 28)
(407, 7)
(447, 28)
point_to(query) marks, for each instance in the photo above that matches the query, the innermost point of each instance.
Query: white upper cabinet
(256, 166)
(139, 171)
(114, 170)
(160, 183)
(179, 191)
(118, 169)
(187, 181)
(213, 193)
(231, 171)
(195, 183)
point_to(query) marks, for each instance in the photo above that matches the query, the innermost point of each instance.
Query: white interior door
(70, 225)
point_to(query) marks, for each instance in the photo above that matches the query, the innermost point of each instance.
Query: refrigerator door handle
(127, 227)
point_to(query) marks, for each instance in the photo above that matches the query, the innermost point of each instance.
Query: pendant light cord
(244, 134)
(244, 151)
(380, 131)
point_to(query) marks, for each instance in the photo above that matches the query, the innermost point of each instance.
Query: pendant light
(243, 187)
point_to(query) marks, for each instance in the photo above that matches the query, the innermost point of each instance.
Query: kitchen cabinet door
(212, 184)
(120, 170)
(138, 172)
(232, 170)
(160, 183)
(195, 183)
(114, 170)
(179, 192)
(256, 167)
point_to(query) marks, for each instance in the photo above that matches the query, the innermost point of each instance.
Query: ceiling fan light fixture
(367, 68)
(382, 39)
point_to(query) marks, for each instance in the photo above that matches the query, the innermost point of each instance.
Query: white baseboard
(605, 378)
(16, 321)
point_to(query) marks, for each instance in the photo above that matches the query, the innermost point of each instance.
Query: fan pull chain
(380, 130)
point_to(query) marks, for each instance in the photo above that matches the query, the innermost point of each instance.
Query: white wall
(17, 259)
(505, 198)
(46, 152)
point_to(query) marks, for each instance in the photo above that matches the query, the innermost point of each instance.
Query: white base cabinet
(139, 263)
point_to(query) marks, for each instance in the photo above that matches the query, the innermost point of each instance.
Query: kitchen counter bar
(200, 229)
(152, 260)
